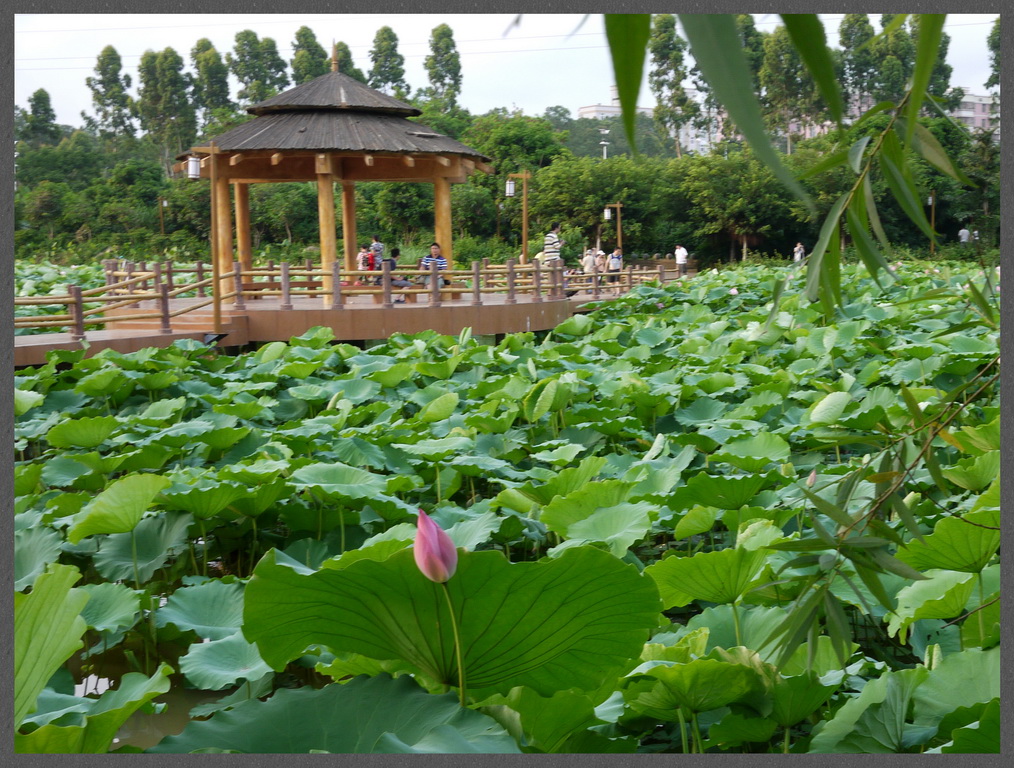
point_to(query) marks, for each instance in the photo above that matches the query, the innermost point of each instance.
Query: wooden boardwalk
(141, 308)
(359, 319)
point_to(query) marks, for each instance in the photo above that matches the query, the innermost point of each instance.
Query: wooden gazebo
(332, 130)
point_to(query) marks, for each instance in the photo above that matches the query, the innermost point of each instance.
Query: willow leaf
(718, 51)
(906, 195)
(628, 35)
(931, 27)
(871, 211)
(815, 268)
(807, 34)
(926, 144)
(866, 247)
(855, 153)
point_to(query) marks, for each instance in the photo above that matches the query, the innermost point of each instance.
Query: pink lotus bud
(812, 479)
(434, 551)
(734, 291)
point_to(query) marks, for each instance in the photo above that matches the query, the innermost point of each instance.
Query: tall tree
(257, 66)
(993, 43)
(753, 43)
(309, 59)
(674, 107)
(113, 105)
(788, 89)
(167, 115)
(443, 66)
(858, 63)
(388, 71)
(40, 123)
(210, 90)
(345, 63)
(895, 57)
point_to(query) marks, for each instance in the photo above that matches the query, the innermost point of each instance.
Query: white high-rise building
(613, 109)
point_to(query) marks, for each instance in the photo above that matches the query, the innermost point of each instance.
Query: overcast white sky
(547, 60)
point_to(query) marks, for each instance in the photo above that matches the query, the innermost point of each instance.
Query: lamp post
(608, 214)
(932, 202)
(509, 192)
(604, 144)
(162, 204)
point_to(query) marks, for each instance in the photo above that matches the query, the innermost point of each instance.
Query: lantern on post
(509, 192)
(193, 167)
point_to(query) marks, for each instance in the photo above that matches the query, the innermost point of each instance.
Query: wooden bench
(410, 298)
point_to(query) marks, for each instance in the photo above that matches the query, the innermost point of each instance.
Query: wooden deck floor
(359, 319)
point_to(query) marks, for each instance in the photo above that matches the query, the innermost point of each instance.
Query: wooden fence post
(537, 281)
(511, 299)
(163, 290)
(435, 281)
(286, 287)
(385, 280)
(200, 278)
(630, 279)
(476, 284)
(336, 286)
(77, 312)
(237, 271)
(661, 274)
(595, 283)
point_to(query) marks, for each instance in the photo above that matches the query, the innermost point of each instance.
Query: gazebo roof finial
(334, 56)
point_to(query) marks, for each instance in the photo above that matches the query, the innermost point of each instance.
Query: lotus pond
(690, 521)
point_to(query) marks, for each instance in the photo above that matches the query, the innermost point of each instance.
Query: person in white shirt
(964, 236)
(681, 259)
(588, 264)
(552, 243)
(798, 252)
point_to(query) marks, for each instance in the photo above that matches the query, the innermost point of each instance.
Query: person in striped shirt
(435, 257)
(551, 245)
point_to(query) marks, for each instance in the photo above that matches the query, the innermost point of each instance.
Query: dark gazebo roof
(337, 113)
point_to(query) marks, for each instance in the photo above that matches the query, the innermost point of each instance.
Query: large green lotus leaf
(438, 369)
(110, 606)
(439, 408)
(697, 520)
(180, 434)
(26, 479)
(754, 453)
(63, 471)
(101, 722)
(942, 595)
(976, 473)
(980, 737)
(118, 508)
(598, 512)
(961, 679)
(718, 577)
(703, 410)
(983, 438)
(965, 543)
(828, 409)
(724, 492)
(339, 481)
(982, 629)
(560, 723)
(205, 498)
(698, 686)
(436, 449)
(562, 623)
(392, 376)
(366, 715)
(34, 549)
(161, 411)
(83, 432)
(47, 630)
(875, 721)
(219, 664)
(24, 401)
(151, 544)
(796, 698)
(734, 729)
(214, 609)
(575, 325)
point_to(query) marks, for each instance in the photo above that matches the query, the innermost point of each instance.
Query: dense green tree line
(105, 184)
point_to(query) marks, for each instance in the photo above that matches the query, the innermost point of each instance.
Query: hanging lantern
(509, 191)
(607, 214)
(193, 167)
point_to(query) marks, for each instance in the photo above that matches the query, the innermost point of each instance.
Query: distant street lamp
(162, 203)
(608, 215)
(509, 192)
(604, 144)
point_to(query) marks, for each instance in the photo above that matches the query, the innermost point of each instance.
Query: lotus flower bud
(434, 551)
(812, 479)
(734, 291)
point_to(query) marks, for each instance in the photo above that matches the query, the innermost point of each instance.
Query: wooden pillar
(442, 217)
(244, 243)
(223, 227)
(325, 215)
(349, 224)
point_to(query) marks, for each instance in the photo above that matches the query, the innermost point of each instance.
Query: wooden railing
(128, 284)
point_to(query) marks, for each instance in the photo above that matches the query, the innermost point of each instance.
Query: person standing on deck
(435, 257)
(552, 244)
(681, 260)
